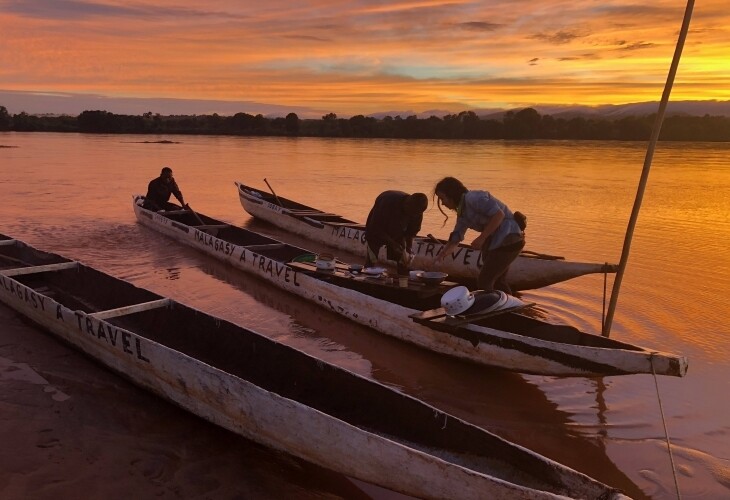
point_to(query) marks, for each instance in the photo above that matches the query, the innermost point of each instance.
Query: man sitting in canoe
(393, 221)
(160, 189)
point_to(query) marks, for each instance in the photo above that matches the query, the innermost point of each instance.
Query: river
(72, 194)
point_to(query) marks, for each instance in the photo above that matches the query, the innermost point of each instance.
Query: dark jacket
(158, 193)
(388, 219)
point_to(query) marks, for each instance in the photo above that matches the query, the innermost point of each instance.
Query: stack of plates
(489, 301)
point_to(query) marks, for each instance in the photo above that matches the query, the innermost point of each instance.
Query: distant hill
(611, 111)
(71, 104)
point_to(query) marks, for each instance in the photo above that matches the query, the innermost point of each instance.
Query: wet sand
(70, 428)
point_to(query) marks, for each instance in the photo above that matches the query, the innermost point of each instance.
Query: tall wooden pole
(647, 166)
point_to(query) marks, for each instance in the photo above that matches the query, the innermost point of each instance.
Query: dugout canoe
(505, 339)
(274, 394)
(530, 270)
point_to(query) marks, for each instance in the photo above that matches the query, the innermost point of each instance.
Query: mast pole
(647, 165)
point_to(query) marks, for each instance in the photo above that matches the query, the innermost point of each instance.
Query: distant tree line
(524, 124)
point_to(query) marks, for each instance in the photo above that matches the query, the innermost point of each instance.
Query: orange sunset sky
(361, 57)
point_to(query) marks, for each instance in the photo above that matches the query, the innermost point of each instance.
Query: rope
(664, 423)
(605, 288)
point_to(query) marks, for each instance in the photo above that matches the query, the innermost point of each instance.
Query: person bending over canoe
(160, 189)
(393, 221)
(500, 238)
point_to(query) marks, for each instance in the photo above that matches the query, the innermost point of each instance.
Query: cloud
(637, 46)
(75, 9)
(479, 26)
(579, 57)
(307, 38)
(557, 38)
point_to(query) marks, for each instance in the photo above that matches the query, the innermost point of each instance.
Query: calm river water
(72, 194)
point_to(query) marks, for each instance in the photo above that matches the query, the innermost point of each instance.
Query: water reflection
(500, 401)
(71, 193)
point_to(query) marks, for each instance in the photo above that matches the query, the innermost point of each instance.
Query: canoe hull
(275, 421)
(476, 343)
(526, 272)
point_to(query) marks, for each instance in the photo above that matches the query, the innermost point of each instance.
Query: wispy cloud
(479, 26)
(636, 46)
(75, 9)
(558, 37)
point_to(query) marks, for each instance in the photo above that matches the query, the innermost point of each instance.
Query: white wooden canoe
(510, 340)
(274, 394)
(530, 270)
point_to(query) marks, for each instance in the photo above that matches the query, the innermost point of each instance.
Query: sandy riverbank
(70, 428)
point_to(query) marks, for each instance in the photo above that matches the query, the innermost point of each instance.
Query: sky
(356, 57)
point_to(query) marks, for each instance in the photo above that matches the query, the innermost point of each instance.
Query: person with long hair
(500, 237)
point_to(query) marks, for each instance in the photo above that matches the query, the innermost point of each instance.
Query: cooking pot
(457, 300)
(432, 277)
(325, 262)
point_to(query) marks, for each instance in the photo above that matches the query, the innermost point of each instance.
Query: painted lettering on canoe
(275, 269)
(115, 337)
(464, 255)
(217, 245)
(121, 339)
(23, 293)
(348, 233)
(160, 219)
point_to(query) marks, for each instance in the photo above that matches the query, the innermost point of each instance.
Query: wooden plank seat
(337, 275)
(313, 215)
(348, 224)
(312, 211)
(132, 309)
(19, 271)
(324, 216)
(312, 267)
(266, 246)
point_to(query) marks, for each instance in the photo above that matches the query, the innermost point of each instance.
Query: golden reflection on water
(72, 194)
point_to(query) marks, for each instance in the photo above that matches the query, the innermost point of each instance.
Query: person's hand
(407, 258)
(439, 259)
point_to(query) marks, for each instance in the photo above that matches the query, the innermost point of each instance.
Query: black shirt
(387, 218)
(159, 191)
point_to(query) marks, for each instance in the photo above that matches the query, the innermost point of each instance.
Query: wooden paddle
(278, 201)
(197, 217)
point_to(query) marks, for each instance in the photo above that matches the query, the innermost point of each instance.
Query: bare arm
(489, 228)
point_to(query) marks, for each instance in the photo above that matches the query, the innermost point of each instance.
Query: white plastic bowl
(457, 300)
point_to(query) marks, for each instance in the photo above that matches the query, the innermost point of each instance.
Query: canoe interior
(297, 376)
(297, 209)
(535, 328)
(517, 323)
(86, 289)
(21, 255)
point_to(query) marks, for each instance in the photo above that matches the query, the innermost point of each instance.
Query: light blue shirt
(475, 209)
